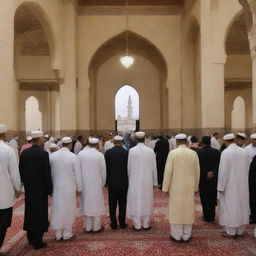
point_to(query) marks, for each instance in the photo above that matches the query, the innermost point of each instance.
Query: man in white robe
(66, 180)
(53, 148)
(172, 143)
(241, 139)
(14, 145)
(10, 183)
(251, 148)
(215, 141)
(78, 146)
(142, 175)
(93, 175)
(110, 143)
(233, 188)
(181, 179)
(48, 144)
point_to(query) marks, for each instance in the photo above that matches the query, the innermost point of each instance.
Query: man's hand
(78, 193)
(17, 194)
(210, 175)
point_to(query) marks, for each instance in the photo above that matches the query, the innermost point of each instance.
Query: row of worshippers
(181, 178)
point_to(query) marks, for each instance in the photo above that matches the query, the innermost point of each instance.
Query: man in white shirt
(10, 183)
(93, 175)
(66, 182)
(109, 144)
(215, 141)
(14, 145)
(78, 146)
(233, 188)
(251, 148)
(142, 174)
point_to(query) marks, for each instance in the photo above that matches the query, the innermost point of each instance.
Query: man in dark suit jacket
(209, 159)
(36, 175)
(117, 181)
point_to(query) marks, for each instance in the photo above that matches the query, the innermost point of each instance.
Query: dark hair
(240, 137)
(216, 133)
(206, 140)
(66, 144)
(194, 139)
(79, 137)
(35, 140)
(140, 140)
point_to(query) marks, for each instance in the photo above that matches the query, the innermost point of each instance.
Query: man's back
(116, 161)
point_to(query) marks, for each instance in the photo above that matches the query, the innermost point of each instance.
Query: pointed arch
(33, 115)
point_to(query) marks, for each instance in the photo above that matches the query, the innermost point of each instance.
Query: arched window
(238, 114)
(127, 108)
(33, 115)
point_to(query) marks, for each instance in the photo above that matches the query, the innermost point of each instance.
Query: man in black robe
(252, 190)
(209, 159)
(162, 151)
(117, 181)
(36, 175)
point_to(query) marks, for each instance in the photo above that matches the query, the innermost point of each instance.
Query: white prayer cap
(140, 135)
(53, 145)
(66, 140)
(36, 134)
(3, 128)
(242, 134)
(46, 136)
(118, 138)
(29, 138)
(181, 136)
(94, 141)
(229, 136)
(253, 136)
(51, 139)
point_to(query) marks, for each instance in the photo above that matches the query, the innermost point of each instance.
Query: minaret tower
(129, 107)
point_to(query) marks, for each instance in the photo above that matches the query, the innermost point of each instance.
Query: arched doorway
(148, 73)
(127, 109)
(33, 115)
(238, 114)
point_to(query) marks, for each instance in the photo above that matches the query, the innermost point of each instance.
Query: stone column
(8, 90)
(212, 77)
(68, 99)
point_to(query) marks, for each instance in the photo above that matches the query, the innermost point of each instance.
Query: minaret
(129, 107)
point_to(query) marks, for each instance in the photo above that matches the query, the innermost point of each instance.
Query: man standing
(9, 183)
(162, 151)
(215, 141)
(78, 146)
(14, 145)
(251, 149)
(66, 182)
(109, 144)
(240, 139)
(209, 159)
(27, 145)
(233, 190)
(36, 175)
(93, 175)
(181, 180)
(142, 175)
(117, 181)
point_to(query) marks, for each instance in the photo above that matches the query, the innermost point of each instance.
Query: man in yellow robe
(181, 179)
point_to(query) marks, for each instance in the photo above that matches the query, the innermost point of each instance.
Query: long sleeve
(14, 171)
(197, 172)
(103, 170)
(222, 175)
(154, 170)
(129, 164)
(107, 167)
(47, 175)
(77, 174)
(167, 174)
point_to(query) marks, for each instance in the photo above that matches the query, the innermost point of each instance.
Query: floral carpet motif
(206, 240)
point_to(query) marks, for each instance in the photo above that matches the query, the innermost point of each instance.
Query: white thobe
(66, 180)
(108, 145)
(59, 144)
(78, 147)
(152, 143)
(9, 176)
(215, 143)
(172, 143)
(251, 151)
(142, 174)
(233, 190)
(14, 145)
(93, 175)
(47, 146)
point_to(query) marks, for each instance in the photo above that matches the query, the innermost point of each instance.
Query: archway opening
(127, 109)
(238, 114)
(33, 115)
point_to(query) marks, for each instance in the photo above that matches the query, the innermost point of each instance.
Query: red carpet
(206, 240)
